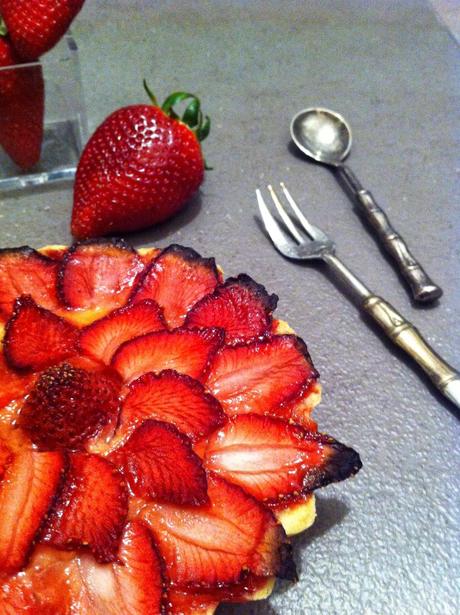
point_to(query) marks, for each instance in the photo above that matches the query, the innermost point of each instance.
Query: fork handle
(404, 334)
(422, 287)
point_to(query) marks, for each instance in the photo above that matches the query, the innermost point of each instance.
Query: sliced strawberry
(47, 576)
(101, 339)
(274, 460)
(98, 274)
(241, 307)
(185, 350)
(159, 463)
(199, 601)
(174, 398)
(91, 508)
(36, 338)
(134, 586)
(13, 385)
(68, 405)
(23, 271)
(217, 542)
(6, 456)
(17, 597)
(26, 492)
(261, 376)
(176, 280)
(191, 602)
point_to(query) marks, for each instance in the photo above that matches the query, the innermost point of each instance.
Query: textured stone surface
(388, 541)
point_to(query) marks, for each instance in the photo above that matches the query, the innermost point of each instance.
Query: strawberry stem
(150, 94)
(193, 117)
(3, 28)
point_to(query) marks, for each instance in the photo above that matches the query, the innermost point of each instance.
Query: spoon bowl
(322, 135)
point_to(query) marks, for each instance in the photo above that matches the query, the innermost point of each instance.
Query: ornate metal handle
(404, 334)
(423, 288)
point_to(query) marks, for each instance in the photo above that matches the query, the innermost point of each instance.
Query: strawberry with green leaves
(35, 26)
(140, 167)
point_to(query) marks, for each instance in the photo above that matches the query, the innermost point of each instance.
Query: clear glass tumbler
(65, 122)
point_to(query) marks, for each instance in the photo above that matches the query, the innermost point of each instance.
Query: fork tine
(284, 216)
(271, 225)
(313, 231)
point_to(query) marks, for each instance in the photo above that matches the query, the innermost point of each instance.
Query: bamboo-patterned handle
(404, 334)
(423, 288)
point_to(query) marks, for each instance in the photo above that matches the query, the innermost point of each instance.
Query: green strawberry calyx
(3, 28)
(193, 117)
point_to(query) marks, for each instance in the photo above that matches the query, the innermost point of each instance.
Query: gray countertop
(388, 541)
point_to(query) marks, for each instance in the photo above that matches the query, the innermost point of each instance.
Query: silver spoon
(325, 136)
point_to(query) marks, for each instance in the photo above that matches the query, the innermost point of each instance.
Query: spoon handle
(423, 288)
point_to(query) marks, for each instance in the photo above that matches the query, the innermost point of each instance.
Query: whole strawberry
(35, 26)
(22, 106)
(140, 167)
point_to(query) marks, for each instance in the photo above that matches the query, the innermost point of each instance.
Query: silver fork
(315, 244)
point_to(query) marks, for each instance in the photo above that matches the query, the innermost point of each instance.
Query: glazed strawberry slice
(203, 601)
(185, 350)
(159, 463)
(274, 460)
(13, 385)
(6, 456)
(132, 586)
(36, 338)
(91, 509)
(176, 280)
(26, 492)
(216, 543)
(17, 597)
(101, 339)
(262, 376)
(241, 307)
(23, 271)
(98, 274)
(174, 398)
(68, 405)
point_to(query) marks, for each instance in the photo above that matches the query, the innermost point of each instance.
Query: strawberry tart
(156, 440)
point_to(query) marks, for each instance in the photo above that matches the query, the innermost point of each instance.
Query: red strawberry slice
(36, 338)
(261, 376)
(26, 492)
(217, 542)
(68, 405)
(91, 508)
(241, 307)
(174, 398)
(132, 586)
(6, 456)
(159, 463)
(202, 601)
(102, 338)
(23, 271)
(98, 274)
(16, 597)
(185, 350)
(274, 460)
(176, 280)
(12, 384)
(183, 602)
